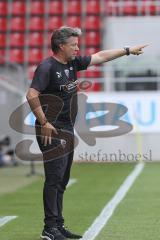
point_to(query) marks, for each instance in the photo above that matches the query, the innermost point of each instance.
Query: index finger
(143, 46)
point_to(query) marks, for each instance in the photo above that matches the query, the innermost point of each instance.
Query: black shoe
(52, 234)
(67, 233)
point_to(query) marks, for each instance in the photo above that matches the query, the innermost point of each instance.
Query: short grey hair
(61, 35)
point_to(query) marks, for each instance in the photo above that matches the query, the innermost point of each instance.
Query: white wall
(121, 31)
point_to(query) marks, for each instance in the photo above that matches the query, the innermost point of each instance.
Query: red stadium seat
(74, 7)
(112, 8)
(93, 7)
(74, 21)
(48, 52)
(18, 7)
(35, 55)
(37, 7)
(92, 38)
(2, 56)
(152, 9)
(17, 40)
(36, 39)
(17, 55)
(3, 24)
(54, 22)
(130, 8)
(55, 7)
(3, 8)
(18, 24)
(92, 23)
(91, 50)
(2, 40)
(148, 9)
(36, 24)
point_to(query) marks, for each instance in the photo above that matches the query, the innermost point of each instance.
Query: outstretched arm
(108, 55)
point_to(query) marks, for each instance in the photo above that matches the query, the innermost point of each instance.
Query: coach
(57, 76)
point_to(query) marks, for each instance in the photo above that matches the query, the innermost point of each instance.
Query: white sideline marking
(71, 182)
(6, 219)
(108, 210)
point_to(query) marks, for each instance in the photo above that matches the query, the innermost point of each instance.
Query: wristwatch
(127, 50)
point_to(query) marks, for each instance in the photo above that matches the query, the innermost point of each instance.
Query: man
(57, 76)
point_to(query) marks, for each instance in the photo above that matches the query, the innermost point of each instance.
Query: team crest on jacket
(59, 74)
(67, 72)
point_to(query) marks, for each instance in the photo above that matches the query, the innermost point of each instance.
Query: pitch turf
(137, 216)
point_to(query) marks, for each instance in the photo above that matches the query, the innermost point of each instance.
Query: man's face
(70, 49)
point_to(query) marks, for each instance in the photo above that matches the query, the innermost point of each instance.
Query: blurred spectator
(6, 156)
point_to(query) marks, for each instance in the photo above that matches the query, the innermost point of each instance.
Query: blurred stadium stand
(25, 30)
(26, 26)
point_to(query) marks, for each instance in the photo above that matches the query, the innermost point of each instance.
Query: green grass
(83, 201)
(96, 185)
(137, 216)
(14, 178)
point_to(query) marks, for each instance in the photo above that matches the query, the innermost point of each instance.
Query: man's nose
(77, 48)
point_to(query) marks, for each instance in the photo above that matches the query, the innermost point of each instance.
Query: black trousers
(57, 174)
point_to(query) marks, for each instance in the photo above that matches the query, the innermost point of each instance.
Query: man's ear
(61, 46)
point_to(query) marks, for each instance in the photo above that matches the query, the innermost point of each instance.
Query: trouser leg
(54, 172)
(60, 193)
